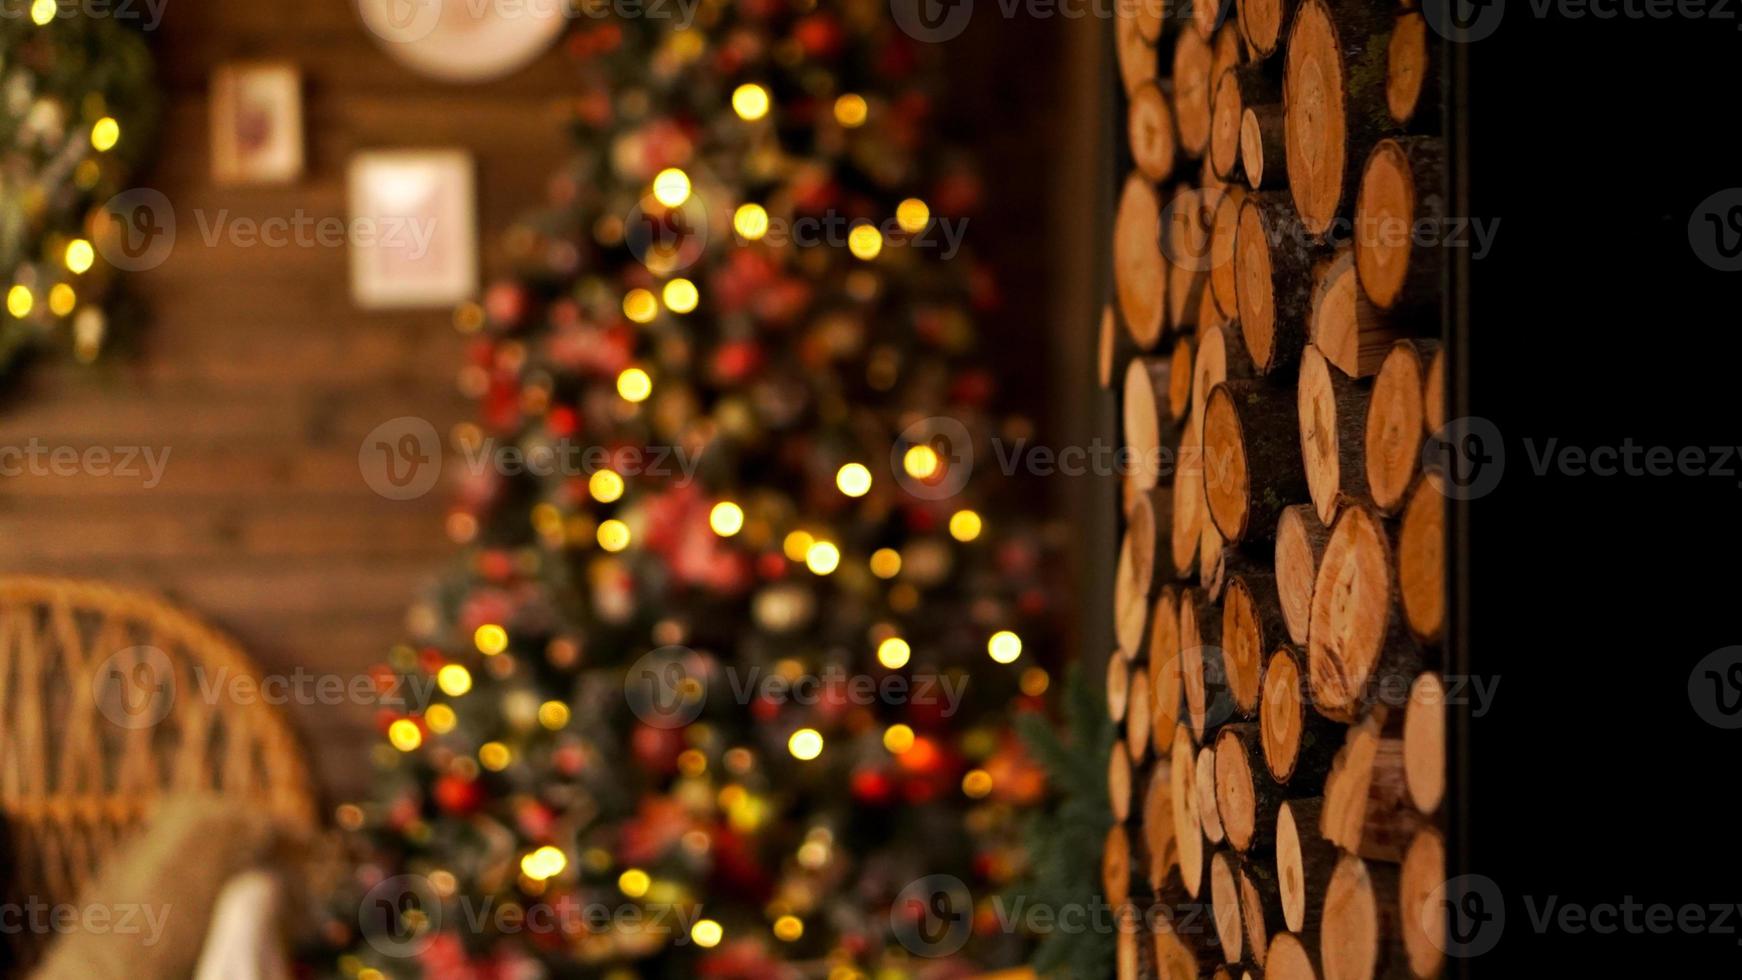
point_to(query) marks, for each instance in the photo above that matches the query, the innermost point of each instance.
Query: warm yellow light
(545, 863)
(454, 680)
(613, 535)
(43, 11)
(490, 639)
(671, 187)
(912, 215)
(440, 718)
(605, 486)
(894, 653)
(553, 715)
(865, 242)
(1004, 646)
(494, 756)
(886, 563)
(640, 306)
(823, 557)
(707, 933)
(105, 134)
(62, 299)
(965, 525)
(727, 518)
(805, 744)
(750, 221)
(750, 101)
(798, 545)
(921, 462)
(405, 735)
(634, 385)
(898, 738)
(977, 784)
(681, 296)
(788, 928)
(634, 882)
(853, 479)
(851, 110)
(80, 256)
(20, 301)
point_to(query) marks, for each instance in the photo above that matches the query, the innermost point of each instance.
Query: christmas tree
(725, 681)
(78, 105)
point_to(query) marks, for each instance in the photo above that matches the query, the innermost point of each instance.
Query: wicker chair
(110, 699)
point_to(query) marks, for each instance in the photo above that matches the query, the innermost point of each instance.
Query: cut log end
(1158, 830)
(1225, 906)
(1317, 130)
(1300, 542)
(1164, 676)
(1406, 67)
(1188, 506)
(1333, 418)
(1137, 720)
(1354, 643)
(1140, 275)
(1247, 797)
(1395, 430)
(1119, 782)
(1262, 23)
(1187, 823)
(1252, 462)
(1360, 902)
(1346, 327)
(1118, 687)
(1283, 717)
(1424, 743)
(1289, 959)
(1134, 578)
(1421, 563)
(1209, 814)
(1400, 186)
(1136, 53)
(1422, 919)
(1192, 84)
(1150, 127)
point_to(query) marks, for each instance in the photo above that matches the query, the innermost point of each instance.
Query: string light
(640, 306)
(788, 928)
(1035, 682)
(750, 221)
(634, 385)
(613, 535)
(912, 215)
(727, 518)
(553, 715)
(805, 744)
(43, 11)
(977, 784)
(898, 738)
(105, 134)
(707, 933)
(1004, 646)
(20, 301)
(605, 486)
(921, 461)
(853, 479)
(543, 864)
(865, 242)
(440, 718)
(886, 563)
(851, 110)
(750, 101)
(405, 735)
(80, 256)
(894, 653)
(798, 545)
(454, 680)
(634, 882)
(62, 299)
(965, 525)
(822, 557)
(494, 756)
(490, 639)
(680, 295)
(671, 187)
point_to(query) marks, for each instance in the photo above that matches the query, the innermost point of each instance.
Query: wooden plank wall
(259, 376)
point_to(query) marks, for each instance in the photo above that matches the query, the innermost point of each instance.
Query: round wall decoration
(464, 40)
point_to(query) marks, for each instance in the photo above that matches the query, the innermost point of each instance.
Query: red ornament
(873, 787)
(657, 748)
(457, 795)
(506, 303)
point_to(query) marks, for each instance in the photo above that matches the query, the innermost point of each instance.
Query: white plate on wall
(464, 40)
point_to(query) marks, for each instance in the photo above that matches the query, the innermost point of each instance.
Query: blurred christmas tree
(725, 684)
(78, 105)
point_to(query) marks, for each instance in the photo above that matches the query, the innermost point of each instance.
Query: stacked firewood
(1280, 591)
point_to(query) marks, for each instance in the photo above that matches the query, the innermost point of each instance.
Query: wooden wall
(260, 378)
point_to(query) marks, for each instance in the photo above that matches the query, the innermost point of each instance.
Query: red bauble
(457, 795)
(819, 35)
(505, 302)
(657, 748)
(873, 787)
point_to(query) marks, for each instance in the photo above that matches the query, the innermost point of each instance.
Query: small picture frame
(413, 228)
(256, 117)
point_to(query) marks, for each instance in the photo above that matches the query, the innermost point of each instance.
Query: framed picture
(257, 123)
(413, 230)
